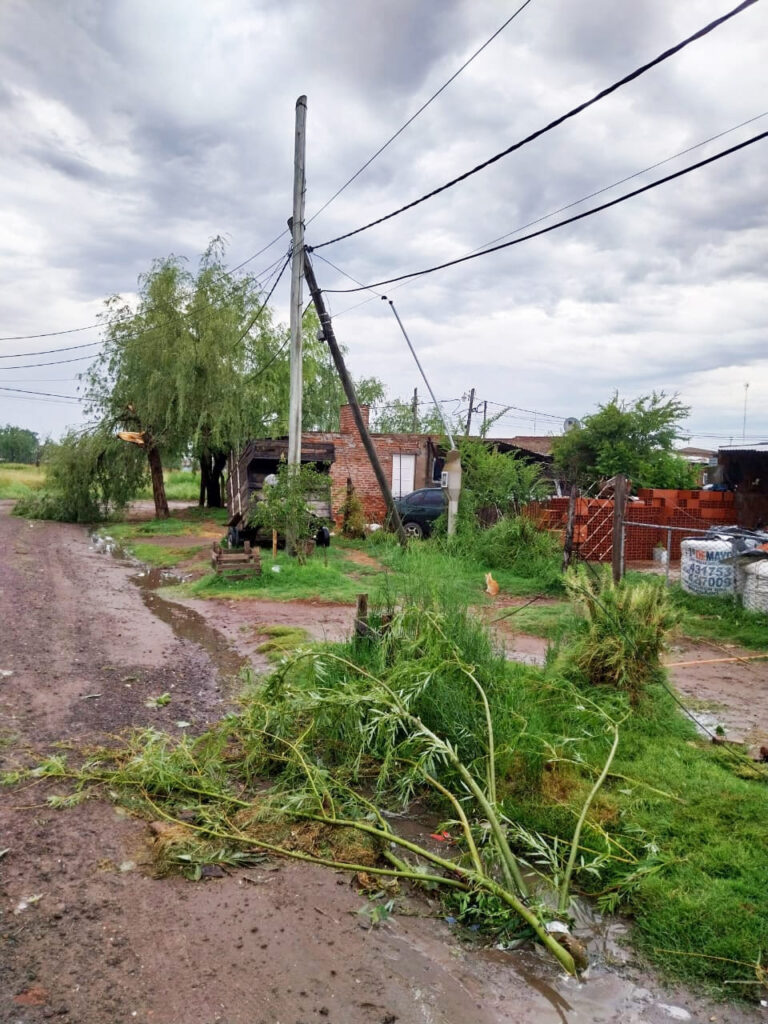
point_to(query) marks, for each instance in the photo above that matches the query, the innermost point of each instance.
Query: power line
(421, 109)
(131, 316)
(79, 359)
(561, 223)
(55, 362)
(46, 394)
(552, 124)
(48, 351)
(621, 181)
(560, 209)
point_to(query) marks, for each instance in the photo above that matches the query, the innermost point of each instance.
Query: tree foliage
(18, 444)
(199, 365)
(396, 417)
(289, 506)
(636, 438)
(88, 477)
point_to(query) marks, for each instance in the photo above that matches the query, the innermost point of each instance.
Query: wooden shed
(247, 471)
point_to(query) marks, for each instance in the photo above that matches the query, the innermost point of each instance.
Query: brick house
(410, 461)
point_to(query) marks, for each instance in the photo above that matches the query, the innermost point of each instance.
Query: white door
(403, 472)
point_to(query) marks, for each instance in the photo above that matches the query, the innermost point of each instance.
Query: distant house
(744, 470)
(409, 460)
(705, 462)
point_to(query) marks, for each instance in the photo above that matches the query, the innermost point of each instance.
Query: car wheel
(413, 530)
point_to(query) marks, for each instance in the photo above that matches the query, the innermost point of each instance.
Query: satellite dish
(570, 423)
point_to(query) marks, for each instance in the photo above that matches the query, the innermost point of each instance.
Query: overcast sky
(132, 129)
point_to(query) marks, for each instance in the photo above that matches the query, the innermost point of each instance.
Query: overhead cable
(48, 351)
(559, 224)
(45, 394)
(129, 316)
(55, 362)
(421, 109)
(552, 124)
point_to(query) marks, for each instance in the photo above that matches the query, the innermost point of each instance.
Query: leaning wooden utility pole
(296, 224)
(349, 391)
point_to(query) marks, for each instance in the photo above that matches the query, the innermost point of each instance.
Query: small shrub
(622, 632)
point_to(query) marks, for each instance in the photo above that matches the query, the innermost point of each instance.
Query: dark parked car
(419, 509)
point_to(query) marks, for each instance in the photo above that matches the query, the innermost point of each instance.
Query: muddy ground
(104, 942)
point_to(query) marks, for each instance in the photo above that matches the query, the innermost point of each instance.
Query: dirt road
(87, 935)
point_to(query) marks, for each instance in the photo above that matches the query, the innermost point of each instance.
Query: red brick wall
(352, 461)
(593, 520)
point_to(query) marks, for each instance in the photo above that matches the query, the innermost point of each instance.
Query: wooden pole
(296, 225)
(274, 545)
(415, 410)
(469, 414)
(349, 391)
(619, 501)
(361, 616)
(568, 545)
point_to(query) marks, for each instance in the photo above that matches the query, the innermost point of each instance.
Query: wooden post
(361, 616)
(274, 545)
(619, 501)
(415, 410)
(568, 545)
(349, 391)
(469, 414)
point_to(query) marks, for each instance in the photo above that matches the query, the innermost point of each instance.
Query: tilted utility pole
(296, 224)
(349, 391)
(471, 410)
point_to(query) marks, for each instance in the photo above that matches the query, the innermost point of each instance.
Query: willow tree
(199, 365)
(183, 369)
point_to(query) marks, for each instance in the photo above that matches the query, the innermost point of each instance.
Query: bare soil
(104, 942)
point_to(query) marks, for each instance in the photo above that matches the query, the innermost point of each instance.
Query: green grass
(338, 582)
(18, 480)
(721, 619)
(180, 485)
(164, 557)
(547, 620)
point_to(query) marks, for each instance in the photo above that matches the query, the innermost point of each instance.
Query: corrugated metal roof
(747, 449)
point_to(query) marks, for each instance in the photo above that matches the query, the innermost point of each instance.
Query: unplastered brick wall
(593, 520)
(351, 461)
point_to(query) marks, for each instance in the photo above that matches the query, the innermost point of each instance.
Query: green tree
(289, 505)
(496, 480)
(88, 476)
(194, 366)
(18, 444)
(636, 438)
(200, 366)
(396, 417)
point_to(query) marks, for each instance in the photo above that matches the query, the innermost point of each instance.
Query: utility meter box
(450, 479)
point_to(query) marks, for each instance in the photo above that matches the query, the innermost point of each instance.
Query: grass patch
(180, 485)
(338, 582)
(721, 619)
(282, 640)
(161, 556)
(547, 620)
(17, 480)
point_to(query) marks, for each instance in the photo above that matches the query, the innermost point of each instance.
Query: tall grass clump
(621, 631)
(519, 544)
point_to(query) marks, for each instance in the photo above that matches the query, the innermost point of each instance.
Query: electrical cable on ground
(421, 109)
(559, 224)
(671, 52)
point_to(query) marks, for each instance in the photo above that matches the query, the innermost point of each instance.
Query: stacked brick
(593, 520)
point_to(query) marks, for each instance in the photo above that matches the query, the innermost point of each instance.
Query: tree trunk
(158, 483)
(212, 466)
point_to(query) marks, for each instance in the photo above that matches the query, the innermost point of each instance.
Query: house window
(403, 473)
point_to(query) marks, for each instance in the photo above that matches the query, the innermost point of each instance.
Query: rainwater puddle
(186, 623)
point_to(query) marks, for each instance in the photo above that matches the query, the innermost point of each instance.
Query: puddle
(186, 623)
